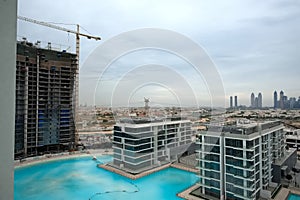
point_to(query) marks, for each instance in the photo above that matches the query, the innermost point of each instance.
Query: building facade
(281, 99)
(292, 138)
(235, 162)
(259, 100)
(256, 102)
(286, 103)
(252, 100)
(275, 96)
(235, 101)
(45, 81)
(231, 102)
(141, 144)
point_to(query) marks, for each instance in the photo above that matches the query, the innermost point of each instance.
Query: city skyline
(279, 101)
(250, 43)
(284, 102)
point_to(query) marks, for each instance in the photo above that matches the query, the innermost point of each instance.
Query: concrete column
(222, 167)
(155, 143)
(245, 164)
(8, 18)
(260, 163)
(201, 156)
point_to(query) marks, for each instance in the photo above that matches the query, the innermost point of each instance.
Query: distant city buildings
(275, 100)
(256, 102)
(280, 101)
(44, 115)
(252, 100)
(259, 100)
(284, 102)
(235, 102)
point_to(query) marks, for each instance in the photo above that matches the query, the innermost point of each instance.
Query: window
(234, 143)
(211, 140)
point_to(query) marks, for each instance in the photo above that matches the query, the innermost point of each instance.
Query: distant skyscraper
(252, 100)
(259, 101)
(256, 102)
(292, 102)
(281, 100)
(235, 102)
(231, 102)
(275, 100)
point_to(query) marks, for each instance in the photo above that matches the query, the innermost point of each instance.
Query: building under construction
(45, 100)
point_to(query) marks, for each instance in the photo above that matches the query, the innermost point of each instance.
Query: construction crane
(78, 34)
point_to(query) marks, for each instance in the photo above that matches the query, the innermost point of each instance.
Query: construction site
(45, 89)
(46, 96)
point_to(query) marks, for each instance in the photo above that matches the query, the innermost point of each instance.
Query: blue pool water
(294, 197)
(81, 179)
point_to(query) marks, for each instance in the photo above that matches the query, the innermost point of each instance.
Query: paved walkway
(282, 194)
(132, 176)
(145, 173)
(184, 167)
(186, 193)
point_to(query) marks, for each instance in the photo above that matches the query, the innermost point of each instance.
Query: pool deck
(283, 194)
(132, 176)
(184, 167)
(186, 193)
(147, 172)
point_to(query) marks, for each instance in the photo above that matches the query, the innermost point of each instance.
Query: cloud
(254, 44)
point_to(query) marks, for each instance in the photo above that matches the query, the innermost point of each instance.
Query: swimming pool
(294, 197)
(81, 179)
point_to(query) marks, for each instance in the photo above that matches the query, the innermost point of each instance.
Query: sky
(253, 46)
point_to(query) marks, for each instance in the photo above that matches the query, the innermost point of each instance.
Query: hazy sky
(253, 44)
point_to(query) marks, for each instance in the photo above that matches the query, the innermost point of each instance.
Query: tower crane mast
(78, 35)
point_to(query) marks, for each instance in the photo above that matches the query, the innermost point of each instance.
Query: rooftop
(135, 120)
(244, 127)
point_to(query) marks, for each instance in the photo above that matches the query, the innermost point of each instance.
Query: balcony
(250, 178)
(236, 157)
(251, 168)
(265, 159)
(209, 161)
(208, 186)
(252, 197)
(207, 168)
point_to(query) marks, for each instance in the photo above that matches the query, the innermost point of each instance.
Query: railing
(276, 190)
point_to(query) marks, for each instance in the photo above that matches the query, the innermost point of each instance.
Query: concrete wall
(8, 18)
(290, 162)
(132, 167)
(137, 167)
(179, 150)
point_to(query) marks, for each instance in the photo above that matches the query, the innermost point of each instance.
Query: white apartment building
(235, 162)
(292, 137)
(141, 144)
